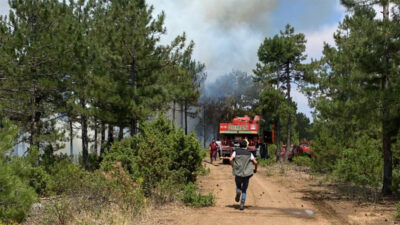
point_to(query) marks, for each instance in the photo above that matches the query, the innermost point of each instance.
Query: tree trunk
(103, 138)
(110, 135)
(204, 127)
(278, 138)
(71, 139)
(186, 127)
(32, 132)
(34, 139)
(289, 122)
(95, 136)
(173, 112)
(133, 129)
(121, 133)
(182, 112)
(386, 143)
(85, 152)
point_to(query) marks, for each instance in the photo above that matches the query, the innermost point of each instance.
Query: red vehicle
(244, 127)
(297, 150)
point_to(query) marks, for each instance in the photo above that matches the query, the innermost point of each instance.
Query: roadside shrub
(16, 197)
(159, 155)
(67, 177)
(40, 181)
(396, 182)
(327, 147)
(272, 151)
(302, 160)
(192, 197)
(397, 211)
(361, 164)
(266, 162)
(94, 161)
(188, 158)
(123, 151)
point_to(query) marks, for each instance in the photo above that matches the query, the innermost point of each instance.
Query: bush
(302, 160)
(266, 162)
(67, 177)
(396, 182)
(16, 197)
(192, 198)
(361, 164)
(160, 154)
(40, 181)
(272, 151)
(397, 211)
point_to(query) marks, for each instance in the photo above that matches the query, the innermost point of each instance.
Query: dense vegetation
(100, 64)
(158, 165)
(354, 88)
(96, 63)
(355, 91)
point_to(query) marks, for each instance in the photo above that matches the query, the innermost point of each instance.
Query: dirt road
(267, 203)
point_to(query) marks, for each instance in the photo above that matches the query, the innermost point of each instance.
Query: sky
(227, 33)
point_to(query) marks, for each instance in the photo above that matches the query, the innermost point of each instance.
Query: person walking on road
(244, 165)
(213, 147)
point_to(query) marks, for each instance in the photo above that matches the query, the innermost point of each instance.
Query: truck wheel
(225, 161)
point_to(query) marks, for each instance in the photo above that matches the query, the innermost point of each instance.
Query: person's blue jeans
(241, 186)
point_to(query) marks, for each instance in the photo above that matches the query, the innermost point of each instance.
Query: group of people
(243, 163)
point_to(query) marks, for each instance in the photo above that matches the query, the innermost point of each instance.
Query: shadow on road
(297, 213)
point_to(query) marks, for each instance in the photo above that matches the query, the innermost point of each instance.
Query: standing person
(247, 142)
(213, 147)
(244, 165)
(219, 148)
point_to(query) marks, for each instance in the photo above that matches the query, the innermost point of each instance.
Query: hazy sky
(227, 33)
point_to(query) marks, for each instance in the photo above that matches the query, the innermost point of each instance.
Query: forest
(102, 65)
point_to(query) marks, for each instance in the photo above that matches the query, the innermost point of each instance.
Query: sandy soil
(267, 203)
(278, 195)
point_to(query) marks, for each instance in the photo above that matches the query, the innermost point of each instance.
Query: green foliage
(361, 164)
(396, 182)
(54, 62)
(16, 196)
(272, 151)
(302, 160)
(159, 155)
(41, 181)
(67, 177)
(191, 197)
(266, 162)
(356, 89)
(280, 63)
(327, 147)
(397, 211)
(304, 127)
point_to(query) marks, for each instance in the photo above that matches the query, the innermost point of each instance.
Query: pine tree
(280, 65)
(31, 83)
(358, 81)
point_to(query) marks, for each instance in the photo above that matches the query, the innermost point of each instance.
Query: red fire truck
(257, 134)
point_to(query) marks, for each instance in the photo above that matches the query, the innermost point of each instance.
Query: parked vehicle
(303, 149)
(245, 127)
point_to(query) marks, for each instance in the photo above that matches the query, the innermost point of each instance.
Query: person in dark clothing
(244, 165)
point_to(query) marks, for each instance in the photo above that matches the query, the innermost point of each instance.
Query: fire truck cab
(244, 127)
